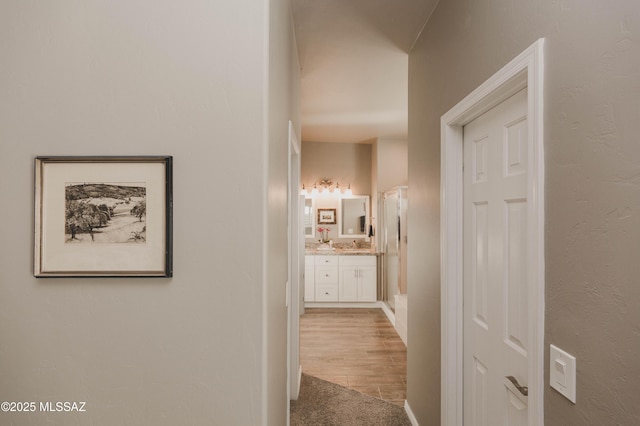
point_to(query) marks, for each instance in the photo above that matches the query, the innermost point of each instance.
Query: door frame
(524, 71)
(295, 282)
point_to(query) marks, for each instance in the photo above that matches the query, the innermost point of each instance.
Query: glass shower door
(391, 234)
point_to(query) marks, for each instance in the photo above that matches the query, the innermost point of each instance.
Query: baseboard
(333, 305)
(389, 313)
(412, 417)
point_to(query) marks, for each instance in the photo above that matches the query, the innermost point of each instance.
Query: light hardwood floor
(356, 348)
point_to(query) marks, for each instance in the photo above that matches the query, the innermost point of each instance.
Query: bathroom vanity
(346, 269)
(341, 276)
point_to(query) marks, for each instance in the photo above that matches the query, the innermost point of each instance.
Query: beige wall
(390, 169)
(592, 99)
(346, 163)
(140, 77)
(283, 105)
(392, 164)
(342, 162)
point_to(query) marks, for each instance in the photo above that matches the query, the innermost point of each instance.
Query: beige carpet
(322, 403)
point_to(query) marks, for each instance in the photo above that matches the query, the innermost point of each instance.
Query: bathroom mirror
(353, 217)
(308, 218)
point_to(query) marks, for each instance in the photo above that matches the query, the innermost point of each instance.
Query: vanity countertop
(341, 251)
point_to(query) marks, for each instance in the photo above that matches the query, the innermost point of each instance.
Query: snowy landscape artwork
(105, 213)
(103, 216)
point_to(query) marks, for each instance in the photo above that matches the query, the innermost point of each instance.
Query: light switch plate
(562, 369)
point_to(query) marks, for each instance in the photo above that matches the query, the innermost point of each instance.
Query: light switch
(563, 373)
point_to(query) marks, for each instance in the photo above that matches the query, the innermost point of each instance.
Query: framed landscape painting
(103, 216)
(326, 216)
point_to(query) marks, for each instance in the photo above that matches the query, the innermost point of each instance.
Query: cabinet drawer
(326, 275)
(326, 293)
(357, 260)
(326, 260)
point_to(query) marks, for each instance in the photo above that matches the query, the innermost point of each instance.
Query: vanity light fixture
(326, 190)
(348, 192)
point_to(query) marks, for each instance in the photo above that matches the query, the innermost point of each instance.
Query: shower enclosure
(394, 244)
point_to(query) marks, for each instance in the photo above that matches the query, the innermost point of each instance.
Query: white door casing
(496, 315)
(295, 282)
(525, 71)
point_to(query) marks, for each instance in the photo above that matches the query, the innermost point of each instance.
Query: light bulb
(348, 192)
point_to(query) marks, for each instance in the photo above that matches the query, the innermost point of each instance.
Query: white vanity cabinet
(326, 278)
(340, 278)
(358, 278)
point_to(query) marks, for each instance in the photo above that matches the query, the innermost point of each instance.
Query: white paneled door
(496, 314)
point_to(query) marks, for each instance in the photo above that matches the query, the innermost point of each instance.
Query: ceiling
(354, 66)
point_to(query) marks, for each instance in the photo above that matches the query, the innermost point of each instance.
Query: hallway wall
(391, 164)
(284, 104)
(134, 78)
(592, 99)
